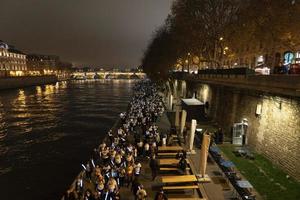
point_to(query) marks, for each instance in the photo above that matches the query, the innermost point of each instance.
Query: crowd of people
(117, 162)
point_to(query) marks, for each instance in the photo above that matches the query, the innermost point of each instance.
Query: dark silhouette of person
(154, 167)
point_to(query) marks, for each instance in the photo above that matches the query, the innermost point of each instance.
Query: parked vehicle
(294, 69)
(262, 70)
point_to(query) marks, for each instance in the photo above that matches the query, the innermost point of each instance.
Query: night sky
(99, 33)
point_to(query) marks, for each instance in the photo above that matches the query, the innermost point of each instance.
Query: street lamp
(188, 61)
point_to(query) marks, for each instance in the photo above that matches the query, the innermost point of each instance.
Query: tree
(160, 54)
(215, 30)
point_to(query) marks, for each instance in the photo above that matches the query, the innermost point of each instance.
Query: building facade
(253, 56)
(42, 64)
(12, 61)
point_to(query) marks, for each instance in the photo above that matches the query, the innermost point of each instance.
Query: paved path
(219, 188)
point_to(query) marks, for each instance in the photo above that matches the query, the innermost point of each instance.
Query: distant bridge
(108, 75)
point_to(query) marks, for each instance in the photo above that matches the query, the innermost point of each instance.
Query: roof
(192, 102)
(16, 51)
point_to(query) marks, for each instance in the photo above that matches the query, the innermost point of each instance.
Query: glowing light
(260, 59)
(204, 93)
(49, 89)
(39, 90)
(19, 73)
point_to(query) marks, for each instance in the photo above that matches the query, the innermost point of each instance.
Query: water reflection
(51, 129)
(38, 90)
(20, 100)
(2, 122)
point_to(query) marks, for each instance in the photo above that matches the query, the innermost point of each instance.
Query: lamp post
(187, 63)
(189, 60)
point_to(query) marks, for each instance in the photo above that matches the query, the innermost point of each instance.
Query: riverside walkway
(129, 146)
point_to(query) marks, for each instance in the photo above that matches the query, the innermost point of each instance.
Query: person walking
(154, 167)
(141, 194)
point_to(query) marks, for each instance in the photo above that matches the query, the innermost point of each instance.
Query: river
(46, 132)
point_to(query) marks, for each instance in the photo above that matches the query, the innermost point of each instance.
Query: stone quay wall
(275, 132)
(25, 81)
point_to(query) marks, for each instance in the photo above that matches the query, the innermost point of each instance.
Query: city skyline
(98, 34)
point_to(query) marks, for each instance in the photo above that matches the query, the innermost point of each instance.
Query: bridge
(108, 75)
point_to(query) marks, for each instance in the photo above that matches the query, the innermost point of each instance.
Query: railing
(232, 71)
(281, 84)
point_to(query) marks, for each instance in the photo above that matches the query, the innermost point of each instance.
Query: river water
(46, 132)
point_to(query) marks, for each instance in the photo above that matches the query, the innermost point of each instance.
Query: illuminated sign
(288, 57)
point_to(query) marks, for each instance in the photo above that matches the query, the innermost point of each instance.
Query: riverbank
(26, 81)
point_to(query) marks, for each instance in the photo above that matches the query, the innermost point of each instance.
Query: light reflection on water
(51, 130)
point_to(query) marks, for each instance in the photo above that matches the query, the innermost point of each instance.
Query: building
(12, 61)
(253, 56)
(42, 64)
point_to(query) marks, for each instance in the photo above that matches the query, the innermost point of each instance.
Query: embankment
(25, 81)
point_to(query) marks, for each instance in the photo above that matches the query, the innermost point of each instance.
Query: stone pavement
(218, 188)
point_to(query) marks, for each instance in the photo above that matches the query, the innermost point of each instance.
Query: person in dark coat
(154, 167)
(88, 195)
(161, 196)
(135, 185)
(182, 165)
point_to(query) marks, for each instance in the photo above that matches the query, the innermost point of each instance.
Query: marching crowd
(117, 162)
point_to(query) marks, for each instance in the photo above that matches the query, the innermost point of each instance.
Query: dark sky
(90, 32)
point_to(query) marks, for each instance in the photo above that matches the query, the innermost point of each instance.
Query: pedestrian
(70, 195)
(182, 165)
(110, 136)
(122, 174)
(146, 150)
(154, 167)
(161, 196)
(112, 184)
(141, 194)
(137, 168)
(129, 173)
(88, 195)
